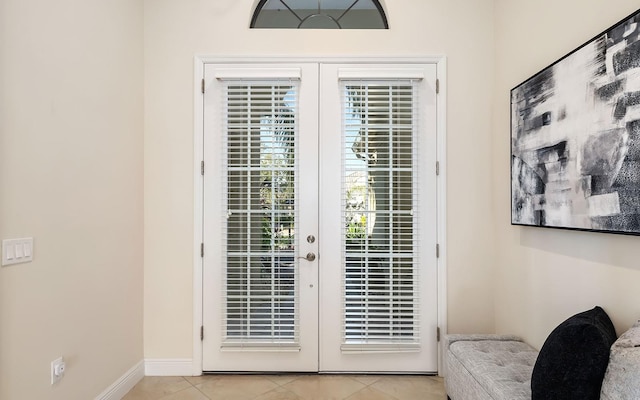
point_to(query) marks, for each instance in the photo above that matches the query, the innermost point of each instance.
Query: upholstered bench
(488, 367)
(580, 360)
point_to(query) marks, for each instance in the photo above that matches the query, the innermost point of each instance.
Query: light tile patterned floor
(289, 387)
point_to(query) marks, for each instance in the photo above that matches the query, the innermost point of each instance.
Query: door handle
(309, 257)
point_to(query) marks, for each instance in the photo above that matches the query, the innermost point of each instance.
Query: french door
(319, 218)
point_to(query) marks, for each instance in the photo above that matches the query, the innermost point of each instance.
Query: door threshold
(324, 373)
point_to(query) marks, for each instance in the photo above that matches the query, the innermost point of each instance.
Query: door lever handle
(309, 257)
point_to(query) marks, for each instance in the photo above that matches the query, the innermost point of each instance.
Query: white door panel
(260, 300)
(378, 247)
(343, 153)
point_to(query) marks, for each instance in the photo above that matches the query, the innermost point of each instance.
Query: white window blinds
(260, 275)
(379, 198)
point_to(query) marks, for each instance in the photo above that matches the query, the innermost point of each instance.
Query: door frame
(198, 178)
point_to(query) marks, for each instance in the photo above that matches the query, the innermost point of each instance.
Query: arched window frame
(349, 4)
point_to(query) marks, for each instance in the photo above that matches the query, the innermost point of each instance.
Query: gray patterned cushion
(622, 379)
(502, 368)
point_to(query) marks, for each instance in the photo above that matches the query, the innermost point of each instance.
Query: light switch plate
(16, 251)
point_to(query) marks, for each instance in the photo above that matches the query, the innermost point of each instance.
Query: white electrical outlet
(57, 370)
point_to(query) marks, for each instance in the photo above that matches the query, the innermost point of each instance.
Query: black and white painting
(575, 138)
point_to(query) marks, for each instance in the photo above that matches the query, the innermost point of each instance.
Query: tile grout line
(280, 384)
(197, 388)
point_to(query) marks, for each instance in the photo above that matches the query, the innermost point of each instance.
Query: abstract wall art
(575, 138)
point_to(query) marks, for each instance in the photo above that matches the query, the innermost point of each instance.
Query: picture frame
(575, 138)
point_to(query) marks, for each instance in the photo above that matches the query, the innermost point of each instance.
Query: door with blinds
(320, 218)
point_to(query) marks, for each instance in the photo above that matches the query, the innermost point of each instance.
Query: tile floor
(289, 387)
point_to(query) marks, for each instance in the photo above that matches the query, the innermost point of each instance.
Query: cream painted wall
(544, 276)
(175, 31)
(71, 173)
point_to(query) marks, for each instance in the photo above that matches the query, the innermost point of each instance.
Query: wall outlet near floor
(57, 370)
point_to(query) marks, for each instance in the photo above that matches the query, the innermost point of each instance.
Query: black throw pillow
(574, 358)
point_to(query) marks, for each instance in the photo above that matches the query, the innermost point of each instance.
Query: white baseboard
(168, 367)
(125, 383)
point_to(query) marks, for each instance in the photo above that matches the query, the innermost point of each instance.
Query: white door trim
(198, 151)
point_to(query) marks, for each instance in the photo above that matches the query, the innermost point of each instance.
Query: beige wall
(71, 173)
(71, 148)
(544, 276)
(175, 31)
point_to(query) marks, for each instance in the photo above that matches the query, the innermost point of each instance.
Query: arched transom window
(319, 14)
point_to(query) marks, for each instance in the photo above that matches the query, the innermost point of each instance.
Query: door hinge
(438, 334)
(437, 86)
(202, 168)
(201, 249)
(202, 86)
(437, 167)
(201, 332)
(437, 250)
